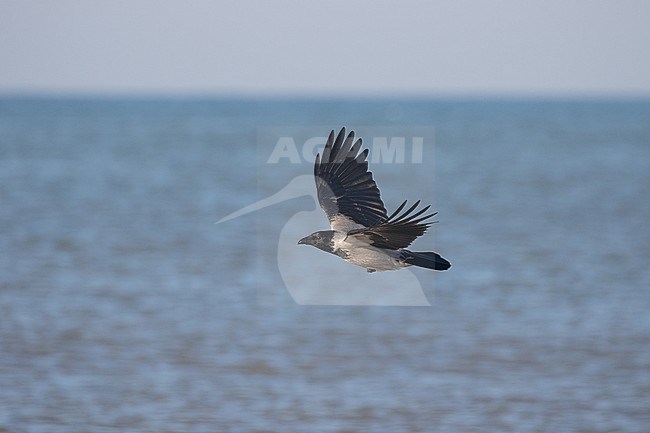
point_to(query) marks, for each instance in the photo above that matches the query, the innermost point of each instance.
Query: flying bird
(362, 232)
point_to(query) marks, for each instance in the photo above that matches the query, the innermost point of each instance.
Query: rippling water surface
(123, 307)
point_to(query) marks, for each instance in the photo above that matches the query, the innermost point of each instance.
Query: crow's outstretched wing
(396, 231)
(346, 190)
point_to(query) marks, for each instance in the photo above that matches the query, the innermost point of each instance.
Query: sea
(137, 296)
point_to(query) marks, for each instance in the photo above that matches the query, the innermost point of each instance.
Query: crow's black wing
(346, 190)
(396, 231)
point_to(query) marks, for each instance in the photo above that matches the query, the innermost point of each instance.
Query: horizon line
(299, 96)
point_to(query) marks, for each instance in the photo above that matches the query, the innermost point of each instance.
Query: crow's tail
(429, 260)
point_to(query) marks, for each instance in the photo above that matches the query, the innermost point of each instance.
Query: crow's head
(321, 240)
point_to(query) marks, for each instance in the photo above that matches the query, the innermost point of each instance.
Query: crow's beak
(302, 241)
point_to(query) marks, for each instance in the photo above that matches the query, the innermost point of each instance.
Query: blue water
(123, 307)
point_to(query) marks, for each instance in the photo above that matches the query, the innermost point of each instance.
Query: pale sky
(329, 48)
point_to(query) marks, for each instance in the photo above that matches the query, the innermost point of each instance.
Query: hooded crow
(362, 233)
